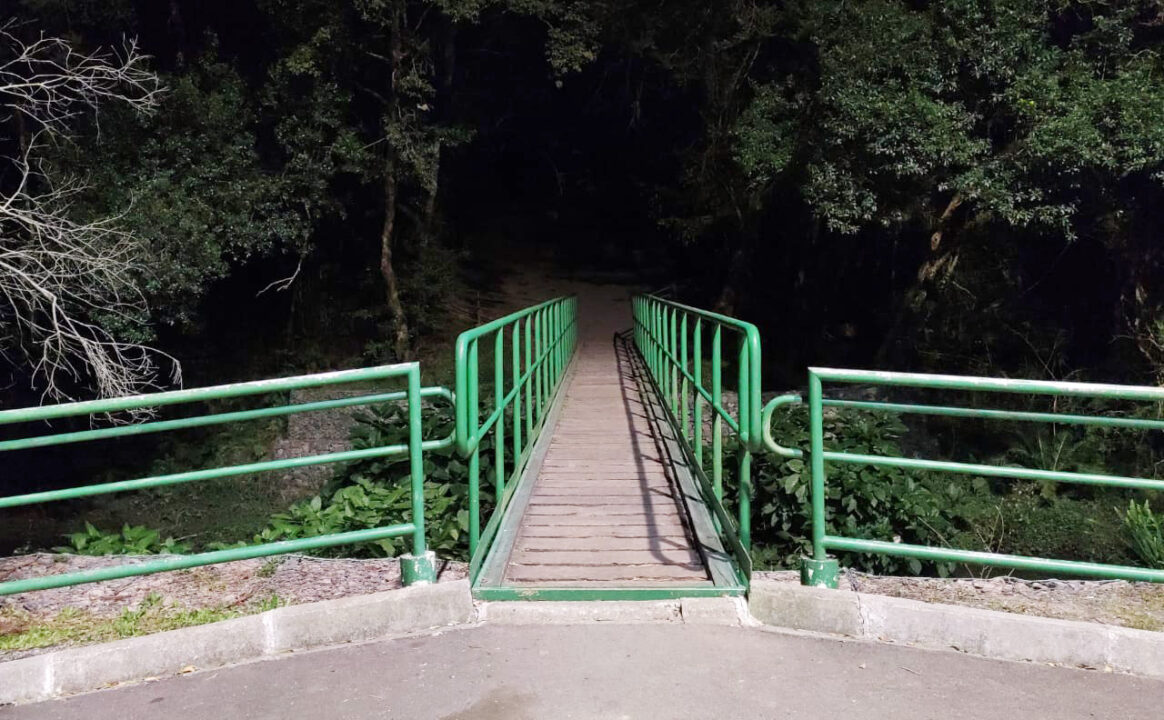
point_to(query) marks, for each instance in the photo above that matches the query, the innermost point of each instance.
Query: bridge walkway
(607, 507)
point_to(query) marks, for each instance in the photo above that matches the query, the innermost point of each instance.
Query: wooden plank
(609, 573)
(600, 542)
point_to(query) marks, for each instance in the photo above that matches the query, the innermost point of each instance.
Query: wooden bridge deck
(605, 508)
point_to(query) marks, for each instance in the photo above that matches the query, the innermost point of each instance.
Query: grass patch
(21, 631)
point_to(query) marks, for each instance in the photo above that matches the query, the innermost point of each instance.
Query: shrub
(877, 503)
(377, 491)
(132, 540)
(1145, 531)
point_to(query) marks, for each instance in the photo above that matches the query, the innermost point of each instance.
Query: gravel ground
(241, 586)
(1111, 602)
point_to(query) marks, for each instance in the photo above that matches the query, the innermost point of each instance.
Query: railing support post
(819, 570)
(419, 567)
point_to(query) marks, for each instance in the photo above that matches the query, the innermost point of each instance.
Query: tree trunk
(400, 345)
(941, 263)
(400, 348)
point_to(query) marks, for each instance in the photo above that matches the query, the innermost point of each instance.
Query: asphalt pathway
(499, 672)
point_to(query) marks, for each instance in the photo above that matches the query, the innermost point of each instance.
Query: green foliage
(188, 181)
(377, 492)
(132, 540)
(1026, 111)
(1145, 530)
(871, 503)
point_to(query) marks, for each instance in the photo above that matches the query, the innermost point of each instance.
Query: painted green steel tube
(697, 351)
(1005, 471)
(416, 462)
(988, 414)
(500, 405)
(750, 428)
(515, 360)
(982, 384)
(686, 383)
(700, 390)
(182, 562)
(195, 475)
(214, 419)
(474, 456)
(461, 359)
(673, 346)
(717, 421)
(766, 423)
(529, 407)
(817, 458)
(217, 392)
(1018, 562)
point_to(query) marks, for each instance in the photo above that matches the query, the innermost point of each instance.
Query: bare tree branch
(59, 278)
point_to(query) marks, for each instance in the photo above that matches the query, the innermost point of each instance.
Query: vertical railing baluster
(515, 361)
(744, 489)
(697, 351)
(684, 383)
(475, 456)
(499, 407)
(717, 407)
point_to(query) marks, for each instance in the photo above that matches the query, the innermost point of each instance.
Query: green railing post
(745, 469)
(698, 352)
(475, 454)
(499, 402)
(686, 415)
(420, 565)
(820, 569)
(516, 362)
(717, 421)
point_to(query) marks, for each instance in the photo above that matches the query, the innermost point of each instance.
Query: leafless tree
(61, 279)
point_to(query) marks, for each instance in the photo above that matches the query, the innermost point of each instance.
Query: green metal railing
(674, 340)
(822, 570)
(541, 341)
(416, 567)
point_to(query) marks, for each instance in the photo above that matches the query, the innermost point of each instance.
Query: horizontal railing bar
(213, 473)
(958, 382)
(735, 323)
(214, 419)
(1018, 562)
(214, 392)
(995, 470)
(501, 322)
(991, 414)
(181, 562)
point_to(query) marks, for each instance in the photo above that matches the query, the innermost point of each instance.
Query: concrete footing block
(998, 635)
(713, 610)
(367, 617)
(299, 627)
(805, 608)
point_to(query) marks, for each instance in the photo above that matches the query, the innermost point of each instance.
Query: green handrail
(821, 569)
(542, 339)
(416, 567)
(670, 337)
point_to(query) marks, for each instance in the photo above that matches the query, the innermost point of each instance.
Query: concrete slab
(641, 671)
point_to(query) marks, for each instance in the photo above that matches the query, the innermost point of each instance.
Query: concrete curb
(299, 627)
(988, 633)
(698, 611)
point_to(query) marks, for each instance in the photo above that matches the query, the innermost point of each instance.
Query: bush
(1145, 531)
(377, 492)
(132, 540)
(861, 501)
